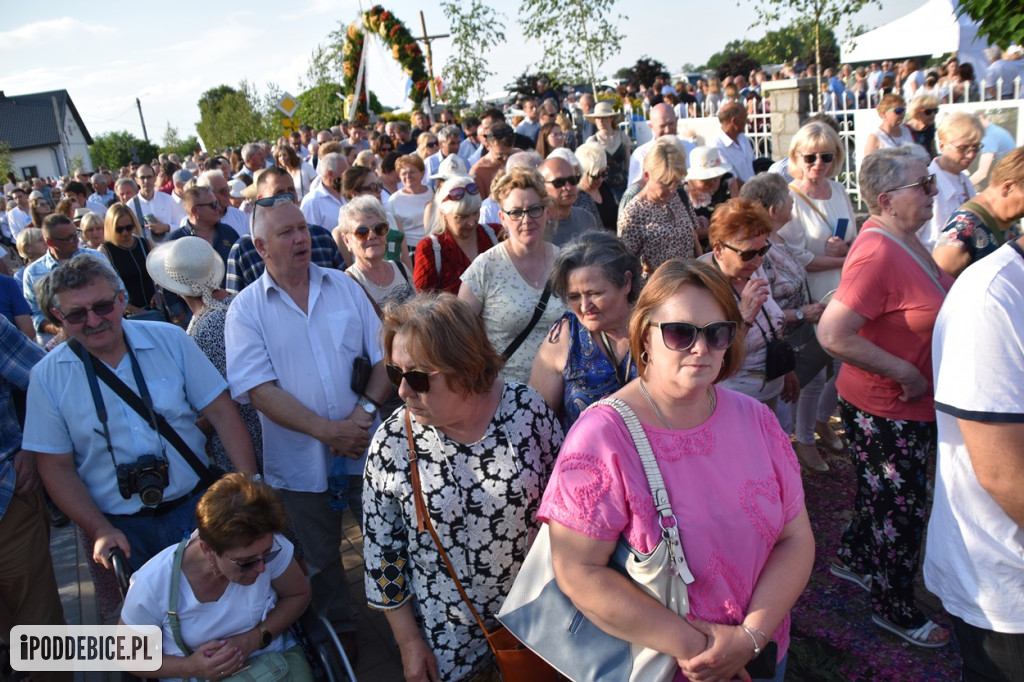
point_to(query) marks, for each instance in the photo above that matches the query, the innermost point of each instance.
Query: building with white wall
(46, 135)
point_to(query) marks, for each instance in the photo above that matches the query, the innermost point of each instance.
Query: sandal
(843, 571)
(918, 636)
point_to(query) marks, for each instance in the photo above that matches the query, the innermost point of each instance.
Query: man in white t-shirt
(974, 559)
(734, 146)
(321, 205)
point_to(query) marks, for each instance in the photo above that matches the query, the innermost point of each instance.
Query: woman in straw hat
(615, 143)
(192, 269)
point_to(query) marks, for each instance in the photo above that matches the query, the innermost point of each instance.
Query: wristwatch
(265, 635)
(799, 315)
(365, 403)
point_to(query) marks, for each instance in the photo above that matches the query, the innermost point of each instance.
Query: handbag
(780, 358)
(811, 358)
(515, 662)
(270, 666)
(537, 611)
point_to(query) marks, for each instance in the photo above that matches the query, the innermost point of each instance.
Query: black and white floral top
(482, 499)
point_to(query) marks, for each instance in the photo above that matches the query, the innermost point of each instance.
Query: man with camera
(112, 417)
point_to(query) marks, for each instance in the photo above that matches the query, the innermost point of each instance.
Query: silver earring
(645, 357)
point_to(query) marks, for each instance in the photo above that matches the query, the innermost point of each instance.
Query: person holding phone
(819, 233)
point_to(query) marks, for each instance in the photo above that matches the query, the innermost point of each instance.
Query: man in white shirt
(157, 208)
(18, 216)
(530, 125)
(734, 146)
(974, 560)
(321, 205)
(471, 143)
(180, 177)
(663, 122)
(102, 194)
(290, 339)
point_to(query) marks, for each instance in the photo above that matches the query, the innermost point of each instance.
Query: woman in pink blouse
(732, 479)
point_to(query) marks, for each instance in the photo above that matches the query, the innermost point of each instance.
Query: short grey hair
(98, 177)
(73, 274)
(448, 132)
(524, 159)
(249, 149)
(121, 182)
(601, 250)
(565, 154)
(363, 204)
(203, 179)
(768, 189)
(334, 162)
(592, 158)
(884, 169)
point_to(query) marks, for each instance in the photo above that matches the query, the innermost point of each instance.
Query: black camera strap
(142, 405)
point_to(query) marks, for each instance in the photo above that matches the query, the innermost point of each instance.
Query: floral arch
(403, 48)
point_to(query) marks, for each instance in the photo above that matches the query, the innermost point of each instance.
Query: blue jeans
(148, 535)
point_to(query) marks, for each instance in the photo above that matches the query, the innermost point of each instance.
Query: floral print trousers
(889, 511)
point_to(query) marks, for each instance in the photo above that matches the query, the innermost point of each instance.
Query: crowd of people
(414, 323)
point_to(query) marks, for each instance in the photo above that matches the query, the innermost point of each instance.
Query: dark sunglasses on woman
(751, 254)
(418, 380)
(362, 232)
(682, 335)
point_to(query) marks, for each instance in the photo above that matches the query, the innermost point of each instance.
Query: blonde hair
(665, 162)
(815, 134)
(960, 125)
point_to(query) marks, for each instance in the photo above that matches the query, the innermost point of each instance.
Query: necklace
(643, 389)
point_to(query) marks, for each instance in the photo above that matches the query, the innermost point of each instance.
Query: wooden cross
(430, 62)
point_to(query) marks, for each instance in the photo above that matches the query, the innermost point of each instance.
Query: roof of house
(28, 120)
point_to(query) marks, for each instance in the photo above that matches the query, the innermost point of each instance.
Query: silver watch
(370, 408)
(799, 315)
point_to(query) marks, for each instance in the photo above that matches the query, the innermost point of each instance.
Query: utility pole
(144, 133)
(430, 61)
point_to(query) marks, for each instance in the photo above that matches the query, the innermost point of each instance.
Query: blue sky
(168, 57)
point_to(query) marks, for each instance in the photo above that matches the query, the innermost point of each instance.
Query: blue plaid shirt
(245, 265)
(17, 356)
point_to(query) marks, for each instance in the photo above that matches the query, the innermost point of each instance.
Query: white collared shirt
(738, 153)
(268, 338)
(321, 208)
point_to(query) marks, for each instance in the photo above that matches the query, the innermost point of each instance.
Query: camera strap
(143, 406)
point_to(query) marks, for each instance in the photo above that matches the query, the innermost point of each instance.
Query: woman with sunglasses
(427, 145)
(406, 206)
(879, 323)
(594, 183)
(891, 132)
(959, 137)
(483, 452)
(549, 138)
(363, 225)
(739, 241)
(456, 237)
(38, 208)
(822, 226)
(921, 113)
(656, 225)
(983, 224)
(711, 445)
(359, 181)
(127, 249)
(234, 585)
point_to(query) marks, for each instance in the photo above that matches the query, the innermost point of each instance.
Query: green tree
(6, 160)
(643, 72)
(173, 144)
(820, 15)
(472, 25)
(733, 64)
(562, 27)
(232, 117)
(116, 149)
(320, 105)
(1002, 23)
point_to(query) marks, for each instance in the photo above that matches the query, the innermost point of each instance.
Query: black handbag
(779, 356)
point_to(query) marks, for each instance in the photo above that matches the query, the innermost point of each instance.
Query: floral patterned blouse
(482, 499)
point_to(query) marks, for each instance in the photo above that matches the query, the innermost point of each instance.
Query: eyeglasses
(251, 564)
(372, 187)
(967, 148)
(431, 145)
(459, 192)
(747, 256)
(931, 112)
(559, 183)
(120, 229)
(926, 183)
(80, 315)
(362, 232)
(276, 200)
(211, 204)
(602, 174)
(899, 110)
(826, 157)
(418, 380)
(518, 214)
(682, 335)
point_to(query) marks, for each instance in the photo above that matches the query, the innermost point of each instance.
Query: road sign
(287, 105)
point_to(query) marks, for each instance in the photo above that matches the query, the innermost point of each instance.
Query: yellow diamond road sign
(287, 104)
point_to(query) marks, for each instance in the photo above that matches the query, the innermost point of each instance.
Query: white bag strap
(670, 533)
(437, 255)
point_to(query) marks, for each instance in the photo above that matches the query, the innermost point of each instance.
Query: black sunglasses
(559, 183)
(826, 157)
(747, 256)
(251, 564)
(276, 200)
(80, 315)
(120, 229)
(682, 335)
(932, 111)
(418, 380)
(362, 232)
(602, 174)
(372, 187)
(211, 204)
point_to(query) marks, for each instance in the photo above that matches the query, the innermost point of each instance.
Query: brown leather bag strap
(423, 519)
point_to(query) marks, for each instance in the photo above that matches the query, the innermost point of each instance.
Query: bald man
(662, 122)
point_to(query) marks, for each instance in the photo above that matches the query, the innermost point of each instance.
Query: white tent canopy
(931, 29)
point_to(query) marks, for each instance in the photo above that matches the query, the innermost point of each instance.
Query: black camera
(147, 477)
